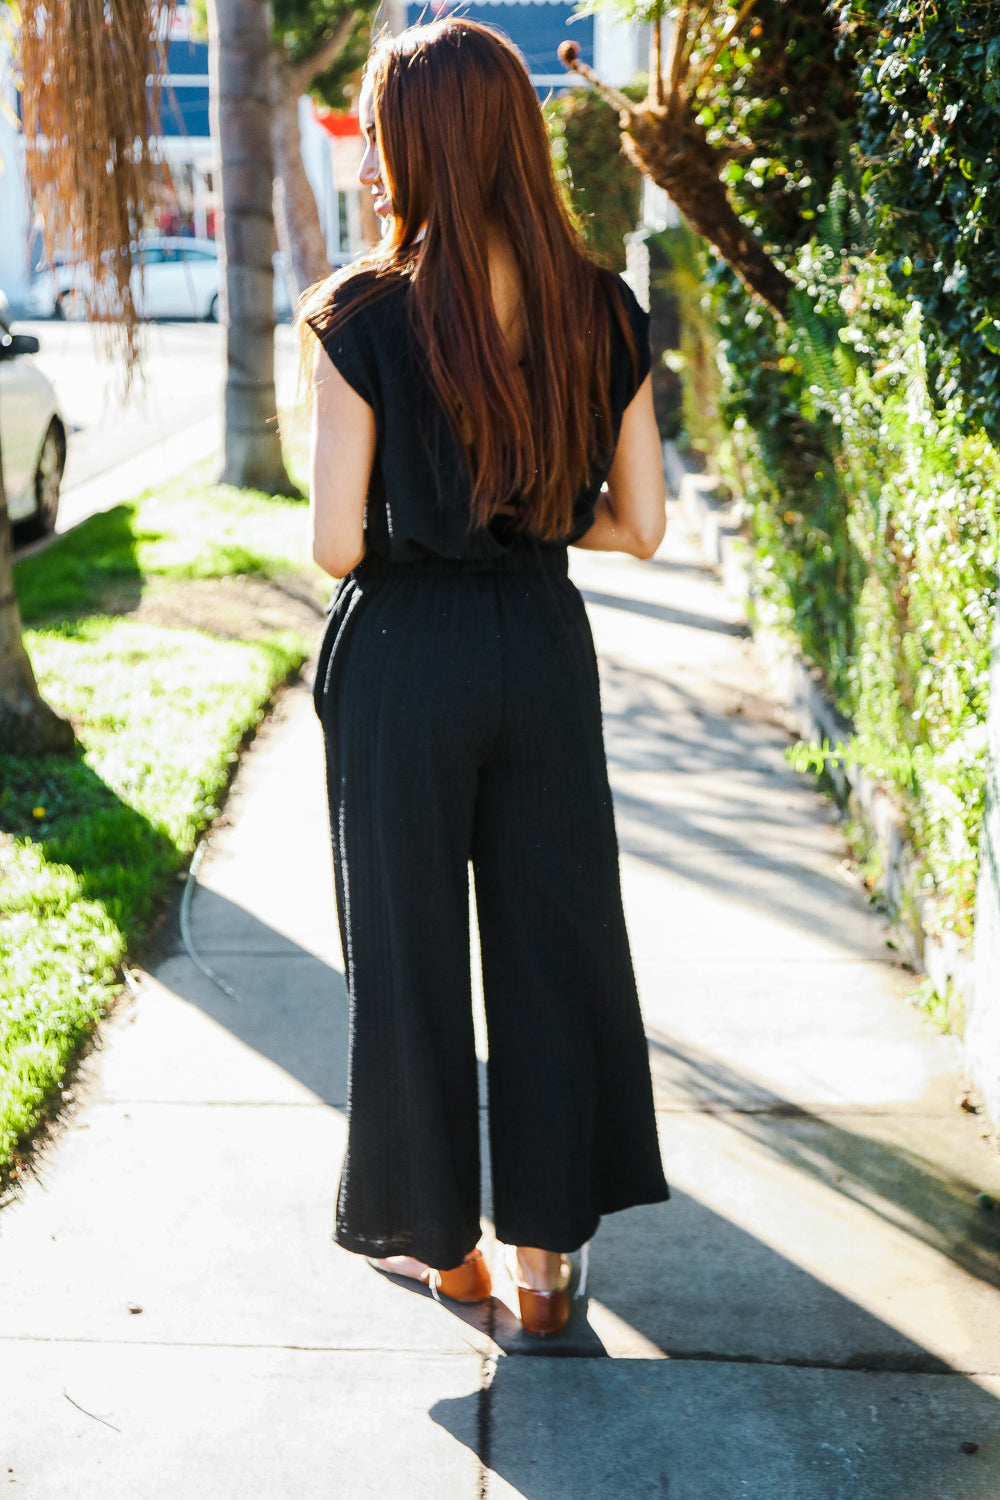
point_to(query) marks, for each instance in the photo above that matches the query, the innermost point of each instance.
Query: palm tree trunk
(668, 145)
(300, 234)
(239, 38)
(28, 726)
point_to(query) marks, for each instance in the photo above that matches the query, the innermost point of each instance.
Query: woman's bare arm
(631, 514)
(342, 452)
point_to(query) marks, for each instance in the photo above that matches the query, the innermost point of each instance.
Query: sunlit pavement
(118, 443)
(815, 1314)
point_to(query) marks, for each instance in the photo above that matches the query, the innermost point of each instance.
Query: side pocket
(342, 608)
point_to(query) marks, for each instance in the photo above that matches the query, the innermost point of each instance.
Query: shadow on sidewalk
(667, 614)
(292, 1009)
(762, 1378)
(698, 772)
(576, 1430)
(287, 1004)
(902, 1186)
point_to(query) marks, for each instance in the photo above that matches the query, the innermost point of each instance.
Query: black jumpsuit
(458, 692)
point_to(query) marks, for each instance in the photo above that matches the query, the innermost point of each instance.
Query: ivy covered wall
(861, 431)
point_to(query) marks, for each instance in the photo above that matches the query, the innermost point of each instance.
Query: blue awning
(536, 27)
(184, 95)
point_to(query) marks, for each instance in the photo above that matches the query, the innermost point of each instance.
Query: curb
(709, 515)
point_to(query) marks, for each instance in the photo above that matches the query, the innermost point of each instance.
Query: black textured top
(419, 494)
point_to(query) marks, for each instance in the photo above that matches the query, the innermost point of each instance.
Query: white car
(32, 433)
(179, 279)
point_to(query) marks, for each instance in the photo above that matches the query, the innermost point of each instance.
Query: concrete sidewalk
(816, 1314)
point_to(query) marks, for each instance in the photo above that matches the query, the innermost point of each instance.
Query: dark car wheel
(48, 477)
(213, 310)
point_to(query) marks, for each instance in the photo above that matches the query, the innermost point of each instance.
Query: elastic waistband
(524, 558)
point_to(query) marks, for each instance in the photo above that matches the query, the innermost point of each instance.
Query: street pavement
(171, 418)
(814, 1315)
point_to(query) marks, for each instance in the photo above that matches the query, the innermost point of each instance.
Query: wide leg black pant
(461, 714)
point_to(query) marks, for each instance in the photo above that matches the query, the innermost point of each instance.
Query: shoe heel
(469, 1282)
(543, 1314)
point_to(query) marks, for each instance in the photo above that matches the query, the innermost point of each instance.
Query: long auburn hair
(463, 147)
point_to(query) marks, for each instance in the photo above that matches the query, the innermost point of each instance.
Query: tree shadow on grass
(92, 569)
(121, 859)
(121, 862)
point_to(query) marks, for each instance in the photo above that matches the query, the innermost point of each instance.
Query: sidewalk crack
(484, 1416)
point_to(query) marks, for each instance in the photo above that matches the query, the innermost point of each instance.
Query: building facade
(331, 144)
(16, 249)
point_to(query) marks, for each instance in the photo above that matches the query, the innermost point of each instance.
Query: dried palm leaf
(90, 71)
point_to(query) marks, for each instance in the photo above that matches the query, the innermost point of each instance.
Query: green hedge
(861, 431)
(876, 518)
(601, 186)
(929, 144)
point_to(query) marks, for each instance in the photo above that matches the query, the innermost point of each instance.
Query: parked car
(32, 432)
(179, 279)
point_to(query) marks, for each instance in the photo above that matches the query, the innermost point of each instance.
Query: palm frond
(90, 108)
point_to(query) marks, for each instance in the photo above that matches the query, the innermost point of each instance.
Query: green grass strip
(90, 844)
(189, 529)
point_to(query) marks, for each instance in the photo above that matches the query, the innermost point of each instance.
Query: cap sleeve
(351, 348)
(638, 319)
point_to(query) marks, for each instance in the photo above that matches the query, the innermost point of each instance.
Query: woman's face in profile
(370, 170)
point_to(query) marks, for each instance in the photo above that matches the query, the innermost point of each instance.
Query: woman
(476, 381)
